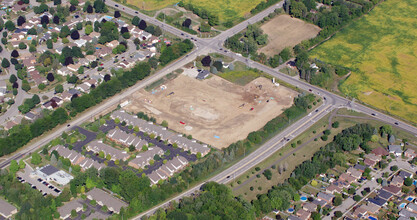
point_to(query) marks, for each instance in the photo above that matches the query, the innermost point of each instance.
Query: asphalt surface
(205, 46)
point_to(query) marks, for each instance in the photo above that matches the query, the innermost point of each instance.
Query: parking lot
(38, 184)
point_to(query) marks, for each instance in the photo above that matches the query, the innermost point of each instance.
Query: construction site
(214, 111)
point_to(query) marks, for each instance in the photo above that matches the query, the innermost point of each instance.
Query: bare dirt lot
(214, 111)
(284, 31)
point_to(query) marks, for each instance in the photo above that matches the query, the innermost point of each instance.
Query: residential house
(347, 178)
(384, 194)
(168, 169)
(359, 167)
(66, 96)
(310, 207)
(203, 74)
(37, 78)
(103, 198)
(45, 37)
(143, 158)
(410, 153)
(354, 172)
(9, 125)
(125, 64)
(379, 151)
(94, 35)
(378, 201)
(7, 3)
(397, 181)
(57, 100)
(80, 42)
(139, 56)
(332, 189)
(76, 158)
(87, 38)
(126, 139)
(104, 51)
(59, 49)
(65, 210)
(83, 88)
(83, 62)
(328, 198)
(292, 217)
(113, 44)
(154, 40)
(90, 58)
(64, 71)
(412, 207)
(404, 174)
(373, 157)
(407, 214)
(395, 149)
(74, 67)
(6, 209)
(3, 88)
(15, 44)
(369, 162)
(360, 212)
(371, 208)
(92, 17)
(145, 35)
(395, 190)
(98, 146)
(30, 116)
(303, 214)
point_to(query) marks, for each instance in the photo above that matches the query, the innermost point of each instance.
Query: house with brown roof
(354, 172)
(112, 44)
(310, 207)
(397, 181)
(369, 162)
(347, 178)
(303, 214)
(395, 190)
(333, 189)
(379, 151)
(373, 157)
(410, 153)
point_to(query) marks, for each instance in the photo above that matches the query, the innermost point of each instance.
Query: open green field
(380, 49)
(225, 9)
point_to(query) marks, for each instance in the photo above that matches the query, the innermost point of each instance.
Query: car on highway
(116, 5)
(373, 114)
(396, 123)
(68, 125)
(136, 12)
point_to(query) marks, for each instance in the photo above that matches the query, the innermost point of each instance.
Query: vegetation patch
(379, 49)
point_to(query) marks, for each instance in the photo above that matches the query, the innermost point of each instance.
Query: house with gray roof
(395, 149)
(143, 158)
(6, 209)
(126, 139)
(103, 198)
(65, 210)
(407, 214)
(77, 158)
(97, 146)
(328, 198)
(168, 169)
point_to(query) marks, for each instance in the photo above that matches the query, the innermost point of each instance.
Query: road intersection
(209, 45)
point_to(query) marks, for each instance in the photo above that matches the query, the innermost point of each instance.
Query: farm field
(225, 9)
(214, 110)
(380, 50)
(284, 31)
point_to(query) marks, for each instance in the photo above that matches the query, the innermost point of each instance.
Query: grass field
(225, 9)
(380, 50)
(284, 31)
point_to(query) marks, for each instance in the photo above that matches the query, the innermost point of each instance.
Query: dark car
(136, 12)
(51, 187)
(373, 114)
(34, 187)
(39, 180)
(116, 5)
(57, 191)
(396, 123)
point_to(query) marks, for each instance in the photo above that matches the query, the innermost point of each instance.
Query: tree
(45, 19)
(107, 77)
(56, 19)
(35, 99)
(22, 46)
(9, 25)
(142, 25)
(338, 214)
(408, 181)
(206, 61)
(25, 85)
(335, 124)
(12, 78)
(158, 31)
(32, 31)
(394, 168)
(59, 89)
(57, 2)
(164, 123)
(36, 158)
(21, 20)
(186, 23)
(337, 201)
(357, 198)
(135, 20)
(218, 65)
(75, 35)
(117, 14)
(100, 6)
(14, 167)
(88, 29)
(65, 31)
(5, 63)
(268, 174)
(49, 44)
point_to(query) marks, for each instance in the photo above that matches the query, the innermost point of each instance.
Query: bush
(357, 198)
(268, 174)
(335, 124)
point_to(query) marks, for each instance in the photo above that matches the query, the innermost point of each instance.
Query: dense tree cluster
(247, 43)
(175, 51)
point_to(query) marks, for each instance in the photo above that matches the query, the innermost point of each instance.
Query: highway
(204, 46)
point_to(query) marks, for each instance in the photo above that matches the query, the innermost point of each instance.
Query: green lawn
(380, 49)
